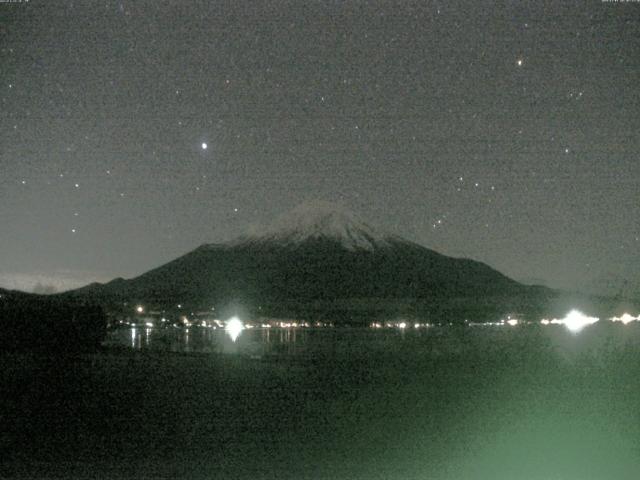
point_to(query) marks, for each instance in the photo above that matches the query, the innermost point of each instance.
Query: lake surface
(443, 403)
(344, 341)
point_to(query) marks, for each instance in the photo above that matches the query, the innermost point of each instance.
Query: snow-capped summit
(321, 220)
(307, 260)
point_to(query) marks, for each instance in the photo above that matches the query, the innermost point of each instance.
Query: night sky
(132, 132)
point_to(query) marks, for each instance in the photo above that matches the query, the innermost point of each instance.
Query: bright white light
(576, 321)
(513, 322)
(234, 328)
(402, 325)
(204, 146)
(149, 324)
(140, 309)
(544, 321)
(625, 318)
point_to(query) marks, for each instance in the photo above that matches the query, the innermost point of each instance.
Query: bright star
(204, 146)
(519, 62)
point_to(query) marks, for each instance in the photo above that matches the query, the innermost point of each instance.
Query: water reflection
(235, 338)
(257, 342)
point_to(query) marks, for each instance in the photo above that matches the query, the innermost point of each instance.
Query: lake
(346, 341)
(450, 403)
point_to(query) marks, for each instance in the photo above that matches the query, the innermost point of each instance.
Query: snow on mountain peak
(322, 220)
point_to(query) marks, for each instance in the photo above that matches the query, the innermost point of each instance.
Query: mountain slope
(316, 253)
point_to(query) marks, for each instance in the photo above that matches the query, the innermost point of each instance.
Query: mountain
(321, 258)
(320, 221)
(32, 322)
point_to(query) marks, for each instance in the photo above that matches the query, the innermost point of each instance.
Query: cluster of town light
(574, 321)
(626, 318)
(402, 324)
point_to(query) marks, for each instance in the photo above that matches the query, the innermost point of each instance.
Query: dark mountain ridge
(319, 258)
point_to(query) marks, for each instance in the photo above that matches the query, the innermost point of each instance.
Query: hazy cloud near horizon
(48, 283)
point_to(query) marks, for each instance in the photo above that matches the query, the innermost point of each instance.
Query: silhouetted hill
(319, 258)
(48, 323)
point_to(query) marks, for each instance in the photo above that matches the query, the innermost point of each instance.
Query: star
(204, 146)
(519, 62)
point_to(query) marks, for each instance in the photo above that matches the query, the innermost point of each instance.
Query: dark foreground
(516, 403)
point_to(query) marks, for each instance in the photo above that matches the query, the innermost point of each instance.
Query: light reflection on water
(436, 341)
(258, 341)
